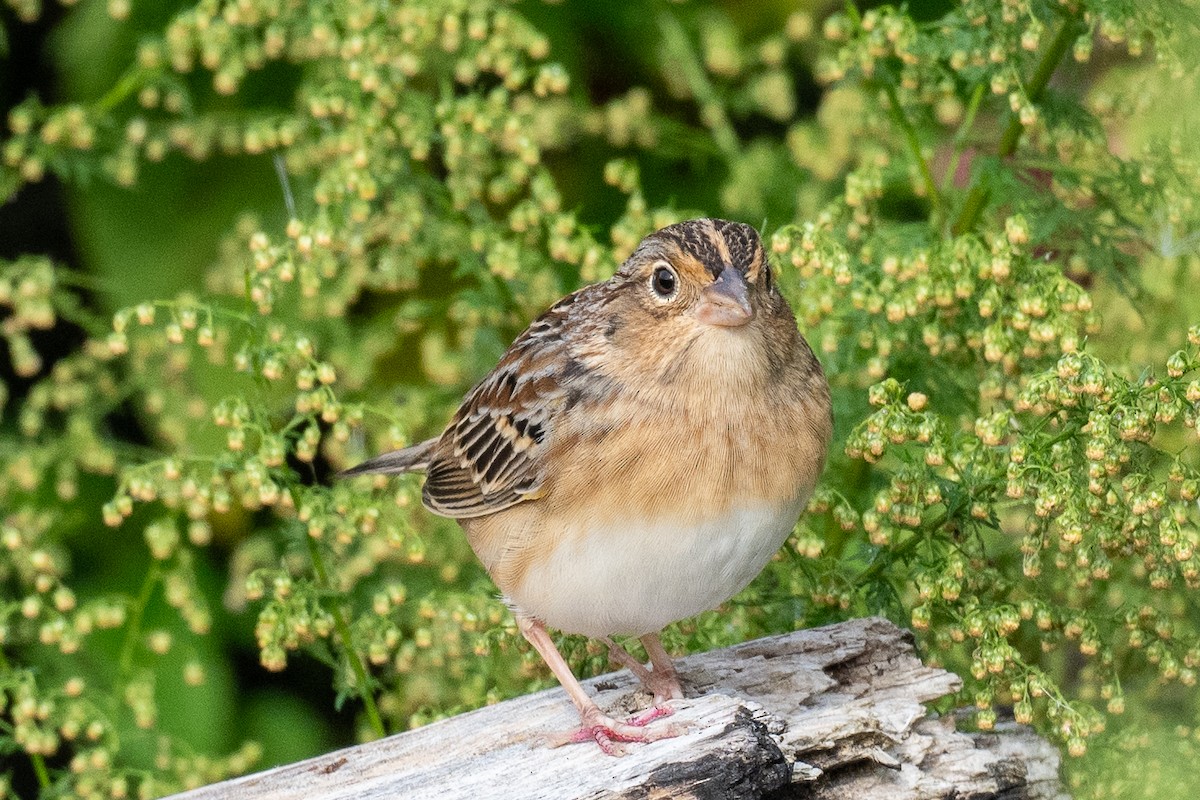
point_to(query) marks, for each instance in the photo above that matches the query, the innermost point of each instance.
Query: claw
(597, 726)
(607, 732)
(662, 681)
(649, 715)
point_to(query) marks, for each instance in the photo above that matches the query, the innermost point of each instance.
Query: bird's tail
(410, 459)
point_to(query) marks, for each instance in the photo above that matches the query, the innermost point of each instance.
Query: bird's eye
(663, 282)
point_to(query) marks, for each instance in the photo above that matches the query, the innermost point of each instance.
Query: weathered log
(834, 712)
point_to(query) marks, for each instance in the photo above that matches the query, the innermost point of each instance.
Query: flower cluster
(1033, 496)
(955, 231)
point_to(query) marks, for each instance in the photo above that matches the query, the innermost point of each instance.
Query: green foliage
(986, 224)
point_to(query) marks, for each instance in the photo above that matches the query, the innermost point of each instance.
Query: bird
(637, 456)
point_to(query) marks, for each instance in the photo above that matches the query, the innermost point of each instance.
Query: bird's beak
(726, 302)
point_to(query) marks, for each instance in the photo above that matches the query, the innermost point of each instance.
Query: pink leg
(620, 656)
(597, 726)
(667, 684)
(662, 681)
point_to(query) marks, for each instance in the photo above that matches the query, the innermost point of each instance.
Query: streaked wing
(410, 459)
(491, 455)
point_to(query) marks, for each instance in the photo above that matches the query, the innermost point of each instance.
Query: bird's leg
(662, 682)
(622, 658)
(596, 726)
(666, 680)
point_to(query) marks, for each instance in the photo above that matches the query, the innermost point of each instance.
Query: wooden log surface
(833, 712)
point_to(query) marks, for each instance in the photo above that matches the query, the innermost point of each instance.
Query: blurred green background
(159, 237)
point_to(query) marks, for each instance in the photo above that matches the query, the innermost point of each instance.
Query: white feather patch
(637, 577)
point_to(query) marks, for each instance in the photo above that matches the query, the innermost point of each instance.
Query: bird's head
(696, 301)
(708, 271)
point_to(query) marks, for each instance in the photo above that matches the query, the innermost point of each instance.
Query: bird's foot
(662, 681)
(608, 733)
(664, 686)
(649, 715)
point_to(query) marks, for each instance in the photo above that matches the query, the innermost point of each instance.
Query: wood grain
(834, 712)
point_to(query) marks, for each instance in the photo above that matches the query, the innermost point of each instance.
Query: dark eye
(663, 282)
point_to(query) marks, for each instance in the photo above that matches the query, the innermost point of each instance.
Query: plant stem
(1067, 33)
(39, 769)
(343, 631)
(978, 197)
(712, 110)
(960, 137)
(906, 127)
(852, 12)
(880, 564)
(125, 661)
(133, 79)
(39, 763)
(914, 149)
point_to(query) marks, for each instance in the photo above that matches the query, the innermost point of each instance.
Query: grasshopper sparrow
(638, 454)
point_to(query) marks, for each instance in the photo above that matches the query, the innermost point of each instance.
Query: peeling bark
(830, 714)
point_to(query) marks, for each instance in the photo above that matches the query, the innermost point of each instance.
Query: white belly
(637, 577)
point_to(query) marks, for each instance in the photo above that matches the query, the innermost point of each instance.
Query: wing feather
(410, 459)
(492, 454)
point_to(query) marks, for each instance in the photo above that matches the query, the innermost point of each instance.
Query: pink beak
(726, 302)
